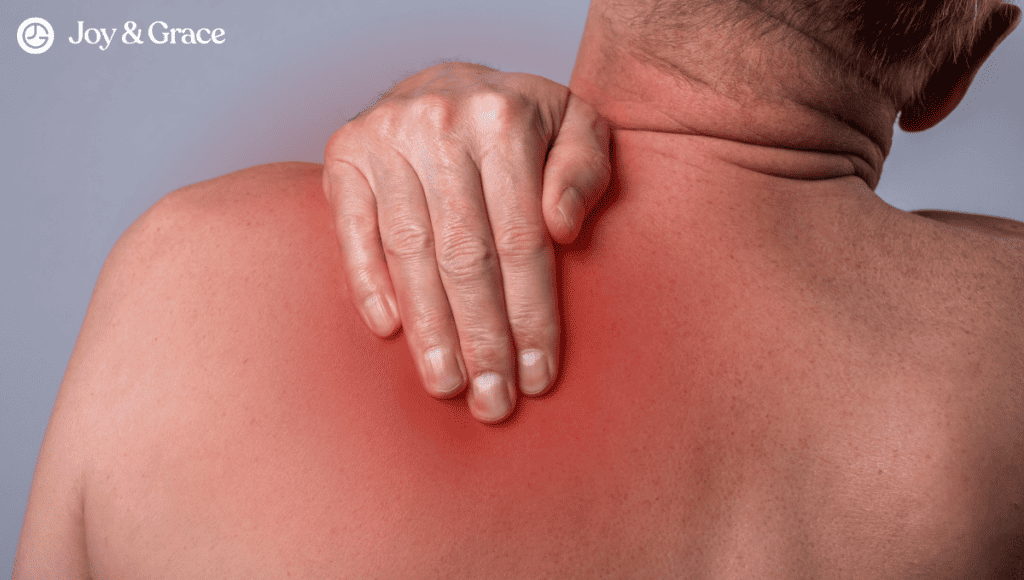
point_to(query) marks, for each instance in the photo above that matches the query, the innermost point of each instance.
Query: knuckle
(340, 144)
(383, 119)
(594, 159)
(429, 326)
(335, 144)
(436, 112)
(533, 325)
(600, 126)
(353, 223)
(519, 240)
(407, 239)
(594, 165)
(486, 349)
(602, 164)
(465, 256)
(497, 109)
(363, 283)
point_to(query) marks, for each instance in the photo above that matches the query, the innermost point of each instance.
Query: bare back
(834, 391)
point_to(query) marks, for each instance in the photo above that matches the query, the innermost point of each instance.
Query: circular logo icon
(35, 36)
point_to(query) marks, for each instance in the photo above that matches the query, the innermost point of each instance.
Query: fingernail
(445, 376)
(533, 371)
(490, 397)
(567, 206)
(377, 314)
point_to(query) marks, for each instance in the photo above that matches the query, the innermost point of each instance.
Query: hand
(444, 194)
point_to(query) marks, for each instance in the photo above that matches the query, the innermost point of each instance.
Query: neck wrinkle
(636, 96)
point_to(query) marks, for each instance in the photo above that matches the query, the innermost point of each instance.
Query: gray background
(89, 139)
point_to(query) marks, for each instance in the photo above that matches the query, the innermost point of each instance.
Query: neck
(772, 128)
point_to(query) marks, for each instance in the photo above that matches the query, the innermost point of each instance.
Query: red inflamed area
(724, 390)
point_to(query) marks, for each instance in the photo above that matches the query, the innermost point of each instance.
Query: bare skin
(444, 193)
(764, 376)
(771, 398)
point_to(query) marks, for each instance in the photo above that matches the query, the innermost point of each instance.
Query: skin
(435, 192)
(444, 193)
(765, 376)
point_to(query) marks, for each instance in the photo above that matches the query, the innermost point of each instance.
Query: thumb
(578, 170)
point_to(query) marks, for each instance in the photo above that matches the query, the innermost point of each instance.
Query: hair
(894, 44)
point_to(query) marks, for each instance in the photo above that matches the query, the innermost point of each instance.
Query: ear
(949, 84)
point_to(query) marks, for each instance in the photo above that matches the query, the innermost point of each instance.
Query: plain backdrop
(90, 138)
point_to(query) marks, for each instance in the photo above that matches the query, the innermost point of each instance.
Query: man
(768, 371)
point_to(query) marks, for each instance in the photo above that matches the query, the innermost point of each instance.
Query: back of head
(894, 45)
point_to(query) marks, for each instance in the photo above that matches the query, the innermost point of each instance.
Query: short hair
(894, 44)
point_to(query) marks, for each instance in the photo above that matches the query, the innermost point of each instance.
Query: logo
(35, 36)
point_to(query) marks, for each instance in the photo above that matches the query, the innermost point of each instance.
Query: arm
(52, 541)
(126, 351)
(53, 534)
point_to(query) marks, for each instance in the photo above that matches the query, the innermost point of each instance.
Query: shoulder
(989, 248)
(197, 298)
(206, 262)
(985, 224)
(265, 197)
(978, 262)
(202, 253)
(186, 230)
(256, 186)
(216, 236)
(987, 253)
(203, 223)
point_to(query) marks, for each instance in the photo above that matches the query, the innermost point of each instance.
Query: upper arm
(156, 279)
(52, 541)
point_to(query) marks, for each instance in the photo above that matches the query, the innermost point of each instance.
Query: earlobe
(947, 87)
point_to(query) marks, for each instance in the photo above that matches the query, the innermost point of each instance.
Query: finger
(468, 266)
(578, 170)
(355, 218)
(408, 241)
(511, 178)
